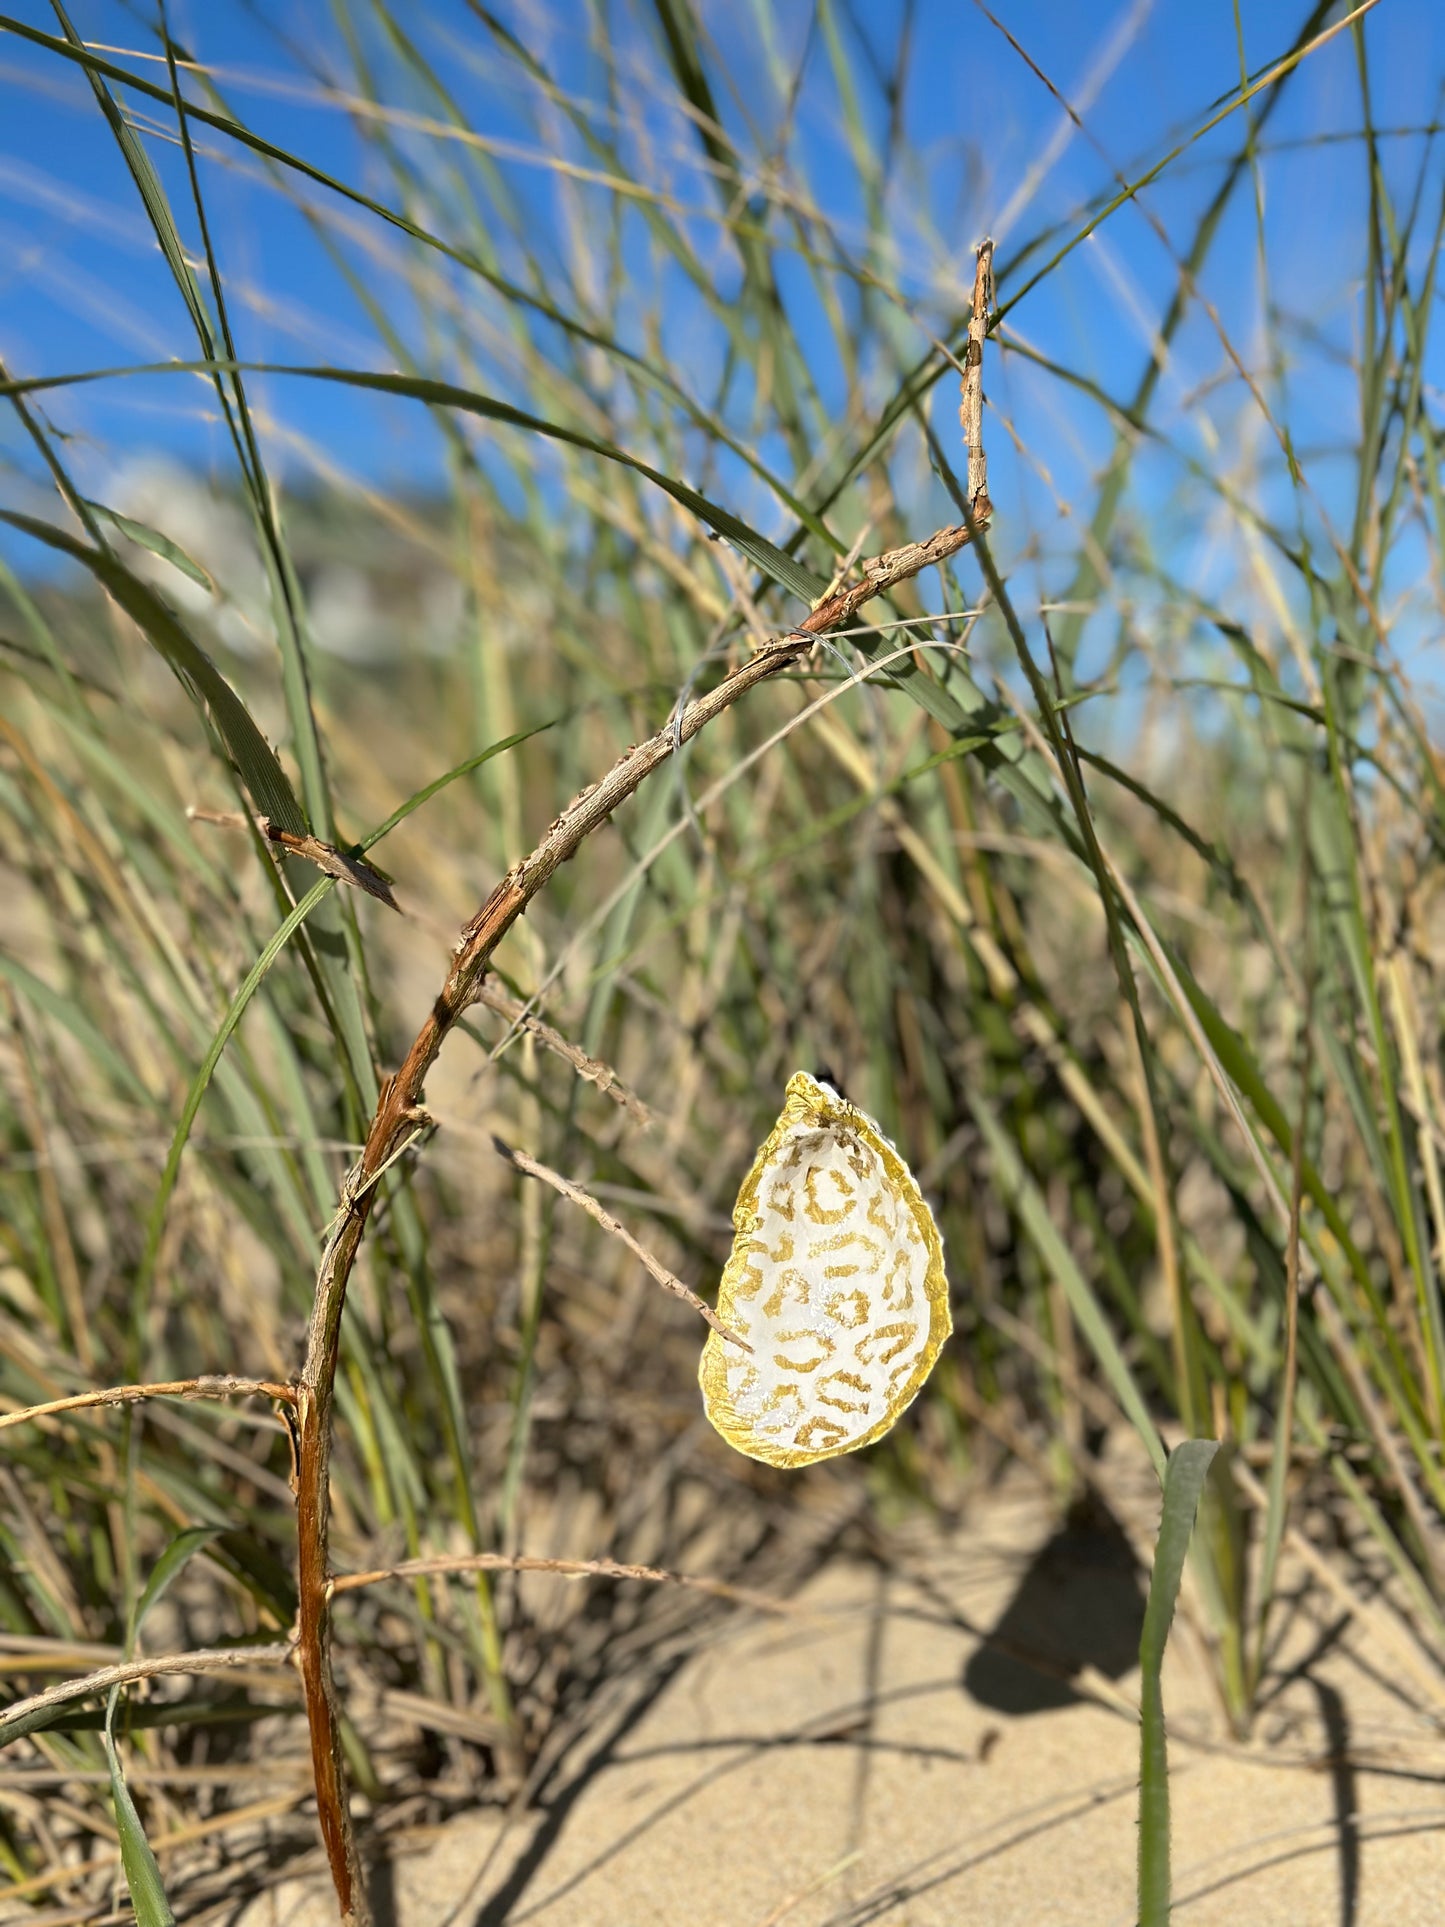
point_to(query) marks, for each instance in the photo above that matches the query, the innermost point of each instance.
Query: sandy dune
(873, 1758)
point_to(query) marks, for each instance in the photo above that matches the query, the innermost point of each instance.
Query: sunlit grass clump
(1095, 842)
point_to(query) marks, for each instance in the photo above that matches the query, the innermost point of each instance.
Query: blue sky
(82, 284)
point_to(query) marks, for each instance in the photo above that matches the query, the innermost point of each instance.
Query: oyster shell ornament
(836, 1281)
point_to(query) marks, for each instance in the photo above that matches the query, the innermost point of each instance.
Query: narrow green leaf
(1183, 1483)
(147, 182)
(255, 760)
(39, 1720)
(763, 554)
(1023, 1194)
(142, 1874)
(249, 985)
(170, 1565)
(146, 537)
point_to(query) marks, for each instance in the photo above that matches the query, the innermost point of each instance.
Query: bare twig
(213, 1385)
(521, 1162)
(520, 1017)
(883, 572)
(567, 1568)
(345, 866)
(216, 1659)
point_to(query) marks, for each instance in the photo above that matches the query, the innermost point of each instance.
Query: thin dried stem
(216, 1659)
(668, 1281)
(520, 1017)
(567, 1568)
(886, 571)
(345, 866)
(213, 1385)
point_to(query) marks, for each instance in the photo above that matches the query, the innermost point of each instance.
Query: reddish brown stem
(397, 1112)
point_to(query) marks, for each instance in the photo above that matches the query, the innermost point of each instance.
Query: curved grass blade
(147, 182)
(255, 760)
(146, 537)
(252, 981)
(763, 554)
(1183, 1483)
(1030, 791)
(142, 1874)
(172, 1562)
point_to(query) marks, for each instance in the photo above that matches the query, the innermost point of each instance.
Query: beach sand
(944, 1732)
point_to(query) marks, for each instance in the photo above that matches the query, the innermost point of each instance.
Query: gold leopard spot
(848, 1308)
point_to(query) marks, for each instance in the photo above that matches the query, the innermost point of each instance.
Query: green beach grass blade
(171, 1564)
(765, 555)
(146, 537)
(142, 1872)
(254, 759)
(1184, 1477)
(138, 1861)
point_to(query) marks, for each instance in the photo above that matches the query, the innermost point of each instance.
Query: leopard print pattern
(835, 1280)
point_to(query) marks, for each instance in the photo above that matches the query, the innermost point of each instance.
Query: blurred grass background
(1152, 1007)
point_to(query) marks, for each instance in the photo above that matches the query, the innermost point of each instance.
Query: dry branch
(399, 1109)
(212, 1385)
(970, 413)
(529, 1166)
(522, 1017)
(567, 1569)
(346, 866)
(215, 1659)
